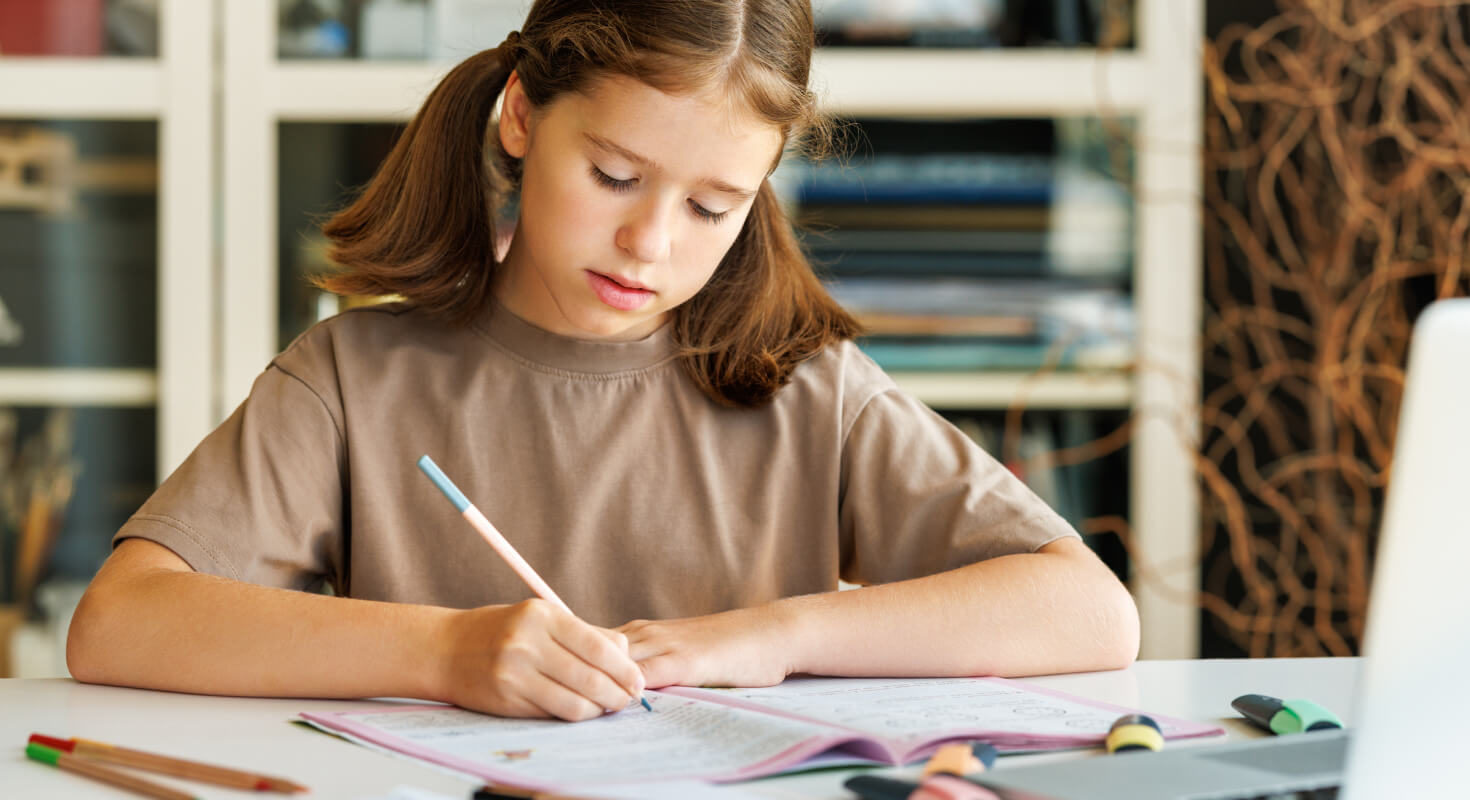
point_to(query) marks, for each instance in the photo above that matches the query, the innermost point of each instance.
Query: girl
(648, 392)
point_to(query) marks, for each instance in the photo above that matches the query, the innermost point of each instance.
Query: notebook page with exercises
(683, 738)
(912, 717)
(735, 734)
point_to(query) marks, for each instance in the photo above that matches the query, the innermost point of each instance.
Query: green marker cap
(42, 753)
(1298, 716)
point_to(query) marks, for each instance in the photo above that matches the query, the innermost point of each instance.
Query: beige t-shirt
(632, 493)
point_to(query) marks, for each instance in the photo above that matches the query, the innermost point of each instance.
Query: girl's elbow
(1123, 630)
(84, 652)
(1108, 628)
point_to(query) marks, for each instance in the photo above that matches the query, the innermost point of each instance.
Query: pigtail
(422, 228)
(763, 312)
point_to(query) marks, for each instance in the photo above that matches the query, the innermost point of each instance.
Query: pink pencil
(478, 521)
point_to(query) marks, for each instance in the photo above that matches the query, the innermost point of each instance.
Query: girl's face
(629, 200)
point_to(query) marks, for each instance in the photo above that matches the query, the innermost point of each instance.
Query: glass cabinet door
(79, 28)
(322, 165)
(78, 351)
(394, 30)
(78, 244)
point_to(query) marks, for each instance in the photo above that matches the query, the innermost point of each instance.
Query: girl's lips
(615, 294)
(626, 283)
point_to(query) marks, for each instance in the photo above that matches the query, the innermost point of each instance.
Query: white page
(411, 793)
(669, 790)
(681, 738)
(910, 712)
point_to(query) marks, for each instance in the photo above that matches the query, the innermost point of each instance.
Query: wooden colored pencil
(96, 771)
(168, 765)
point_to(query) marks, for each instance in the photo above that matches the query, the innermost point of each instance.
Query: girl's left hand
(744, 647)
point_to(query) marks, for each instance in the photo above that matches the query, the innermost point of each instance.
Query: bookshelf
(998, 390)
(1157, 84)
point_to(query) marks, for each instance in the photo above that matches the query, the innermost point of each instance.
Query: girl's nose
(646, 235)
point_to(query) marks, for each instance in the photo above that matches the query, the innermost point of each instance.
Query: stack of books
(989, 323)
(972, 260)
(974, 23)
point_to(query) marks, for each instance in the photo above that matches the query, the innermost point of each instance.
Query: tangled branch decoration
(1337, 169)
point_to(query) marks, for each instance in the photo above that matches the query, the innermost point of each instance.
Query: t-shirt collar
(554, 350)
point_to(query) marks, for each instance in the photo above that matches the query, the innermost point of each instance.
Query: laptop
(1408, 734)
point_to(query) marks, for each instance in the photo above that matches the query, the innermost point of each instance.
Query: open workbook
(735, 734)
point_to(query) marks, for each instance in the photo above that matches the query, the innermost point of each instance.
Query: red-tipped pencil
(182, 768)
(97, 772)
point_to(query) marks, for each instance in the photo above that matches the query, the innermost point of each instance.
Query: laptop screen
(1414, 698)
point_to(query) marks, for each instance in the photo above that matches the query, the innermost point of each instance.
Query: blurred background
(1159, 256)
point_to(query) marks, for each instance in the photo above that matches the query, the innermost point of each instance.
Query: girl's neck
(519, 287)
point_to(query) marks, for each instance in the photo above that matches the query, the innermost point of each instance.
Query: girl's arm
(150, 621)
(1059, 609)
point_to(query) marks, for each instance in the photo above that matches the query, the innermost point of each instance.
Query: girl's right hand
(533, 659)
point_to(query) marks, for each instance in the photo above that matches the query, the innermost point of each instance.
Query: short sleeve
(918, 497)
(261, 498)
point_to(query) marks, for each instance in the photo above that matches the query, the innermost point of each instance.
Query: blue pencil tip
(442, 481)
(644, 701)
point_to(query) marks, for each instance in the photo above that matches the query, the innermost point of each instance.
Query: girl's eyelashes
(623, 185)
(611, 182)
(705, 214)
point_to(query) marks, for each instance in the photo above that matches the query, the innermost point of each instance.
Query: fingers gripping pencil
(496, 540)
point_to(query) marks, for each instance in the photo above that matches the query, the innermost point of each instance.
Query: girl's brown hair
(423, 227)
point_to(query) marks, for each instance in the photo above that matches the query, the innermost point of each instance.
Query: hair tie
(508, 49)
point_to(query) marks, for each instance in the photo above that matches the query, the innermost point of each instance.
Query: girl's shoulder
(843, 373)
(374, 336)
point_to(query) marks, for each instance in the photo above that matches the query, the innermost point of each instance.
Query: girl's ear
(515, 117)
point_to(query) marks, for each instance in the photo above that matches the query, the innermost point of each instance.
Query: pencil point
(644, 701)
(279, 785)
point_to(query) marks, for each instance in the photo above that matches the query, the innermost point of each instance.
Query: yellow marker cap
(1134, 732)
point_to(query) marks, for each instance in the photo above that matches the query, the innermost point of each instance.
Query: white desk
(254, 733)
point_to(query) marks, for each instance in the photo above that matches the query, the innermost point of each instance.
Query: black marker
(1285, 716)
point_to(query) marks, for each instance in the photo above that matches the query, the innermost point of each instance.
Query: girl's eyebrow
(718, 185)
